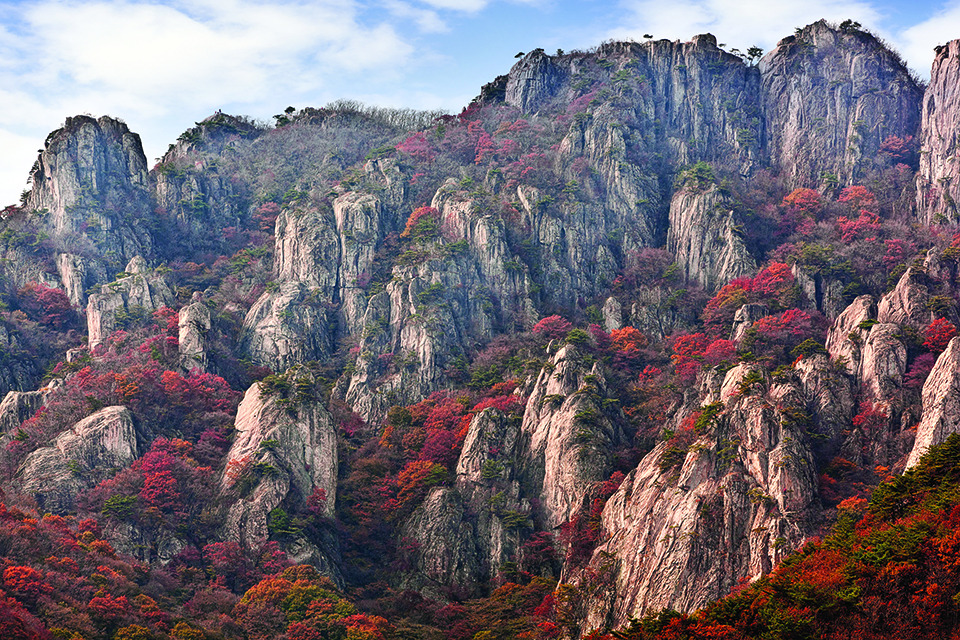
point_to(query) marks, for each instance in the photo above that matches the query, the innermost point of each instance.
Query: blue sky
(161, 65)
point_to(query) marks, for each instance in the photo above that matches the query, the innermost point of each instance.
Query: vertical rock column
(938, 181)
(194, 323)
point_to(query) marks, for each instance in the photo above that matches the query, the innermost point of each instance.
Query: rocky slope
(598, 231)
(91, 184)
(90, 451)
(938, 181)
(464, 535)
(744, 482)
(285, 453)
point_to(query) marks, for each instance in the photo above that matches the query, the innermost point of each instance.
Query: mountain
(619, 339)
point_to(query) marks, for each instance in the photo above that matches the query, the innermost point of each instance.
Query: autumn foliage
(938, 334)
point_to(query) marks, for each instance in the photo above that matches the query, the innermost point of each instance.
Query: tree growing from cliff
(938, 334)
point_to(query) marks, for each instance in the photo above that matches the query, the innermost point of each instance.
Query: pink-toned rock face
(747, 486)
(941, 403)
(884, 361)
(566, 435)
(140, 288)
(301, 447)
(81, 457)
(193, 324)
(907, 303)
(701, 235)
(846, 336)
(938, 181)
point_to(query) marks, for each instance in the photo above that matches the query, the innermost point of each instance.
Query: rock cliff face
(193, 325)
(567, 435)
(424, 318)
(92, 450)
(746, 484)
(820, 292)
(322, 253)
(941, 403)
(463, 535)
(90, 186)
(455, 290)
(141, 290)
(938, 181)
(17, 406)
(745, 317)
(907, 303)
(189, 187)
(682, 102)
(704, 238)
(285, 451)
(830, 99)
(849, 330)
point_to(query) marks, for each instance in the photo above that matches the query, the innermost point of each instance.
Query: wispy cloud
(917, 42)
(207, 54)
(159, 62)
(738, 23)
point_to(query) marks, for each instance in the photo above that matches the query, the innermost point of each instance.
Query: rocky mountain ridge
(637, 298)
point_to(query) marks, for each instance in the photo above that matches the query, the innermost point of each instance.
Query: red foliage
(485, 147)
(16, 623)
(770, 286)
(109, 608)
(414, 480)
(872, 416)
(418, 147)
(919, 370)
(441, 447)
(419, 215)
(47, 306)
(938, 334)
(858, 197)
(723, 306)
(230, 562)
(773, 281)
(552, 328)
(301, 631)
(805, 201)
(168, 320)
(25, 582)
(266, 216)
(897, 148)
(582, 532)
(160, 491)
(690, 345)
(720, 350)
(627, 344)
(793, 325)
(317, 501)
(897, 252)
(864, 227)
(687, 354)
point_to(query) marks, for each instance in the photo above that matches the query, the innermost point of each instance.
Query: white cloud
(917, 42)
(737, 23)
(18, 155)
(427, 20)
(458, 5)
(472, 6)
(164, 53)
(156, 63)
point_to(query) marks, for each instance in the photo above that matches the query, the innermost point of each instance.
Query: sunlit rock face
(938, 181)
